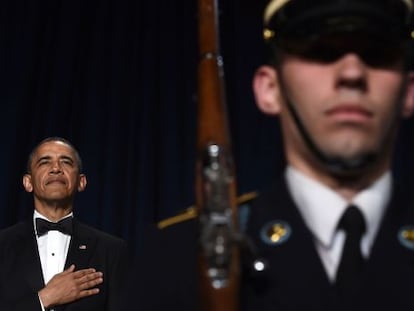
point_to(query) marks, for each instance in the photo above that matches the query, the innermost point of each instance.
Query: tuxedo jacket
(295, 278)
(21, 274)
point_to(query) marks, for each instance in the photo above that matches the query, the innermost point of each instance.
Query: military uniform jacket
(21, 273)
(295, 279)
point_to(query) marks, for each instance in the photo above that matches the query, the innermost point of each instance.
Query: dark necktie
(43, 226)
(351, 264)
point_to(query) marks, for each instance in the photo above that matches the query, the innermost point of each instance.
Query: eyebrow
(62, 157)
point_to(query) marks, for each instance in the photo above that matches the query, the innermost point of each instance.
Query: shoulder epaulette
(187, 214)
(191, 212)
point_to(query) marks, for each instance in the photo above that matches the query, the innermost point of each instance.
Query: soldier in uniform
(336, 230)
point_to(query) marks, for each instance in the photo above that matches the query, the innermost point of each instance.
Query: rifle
(218, 257)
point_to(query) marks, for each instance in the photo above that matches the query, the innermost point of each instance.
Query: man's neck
(347, 186)
(53, 212)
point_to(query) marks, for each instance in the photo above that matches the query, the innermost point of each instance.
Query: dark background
(118, 79)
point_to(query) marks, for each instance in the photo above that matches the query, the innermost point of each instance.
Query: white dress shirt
(322, 208)
(53, 248)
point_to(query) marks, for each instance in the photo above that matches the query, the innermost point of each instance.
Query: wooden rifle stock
(218, 258)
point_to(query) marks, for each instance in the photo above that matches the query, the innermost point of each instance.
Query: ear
(408, 99)
(27, 182)
(267, 90)
(82, 182)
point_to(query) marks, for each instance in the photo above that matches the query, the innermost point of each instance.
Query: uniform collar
(321, 207)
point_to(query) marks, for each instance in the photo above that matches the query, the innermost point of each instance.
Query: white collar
(321, 207)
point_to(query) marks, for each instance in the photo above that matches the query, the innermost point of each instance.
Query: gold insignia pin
(276, 232)
(406, 236)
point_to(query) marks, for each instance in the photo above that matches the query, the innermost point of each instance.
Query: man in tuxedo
(53, 261)
(336, 230)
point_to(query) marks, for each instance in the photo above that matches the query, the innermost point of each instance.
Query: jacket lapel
(81, 248)
(294, 264)
(393, 251)
(80, 251)
(32, 269)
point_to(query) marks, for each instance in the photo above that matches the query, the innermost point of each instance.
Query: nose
(55, 167)
(352, 72)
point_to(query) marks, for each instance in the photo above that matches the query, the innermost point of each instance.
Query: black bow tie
(43, 226)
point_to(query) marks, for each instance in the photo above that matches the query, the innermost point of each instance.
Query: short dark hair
(50, 139)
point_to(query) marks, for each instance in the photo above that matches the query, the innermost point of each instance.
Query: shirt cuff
(41, 303)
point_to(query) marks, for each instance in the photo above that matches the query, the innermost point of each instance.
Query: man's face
(349, 109)
(54, 175)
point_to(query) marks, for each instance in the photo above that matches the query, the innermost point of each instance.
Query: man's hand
(70, 285)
